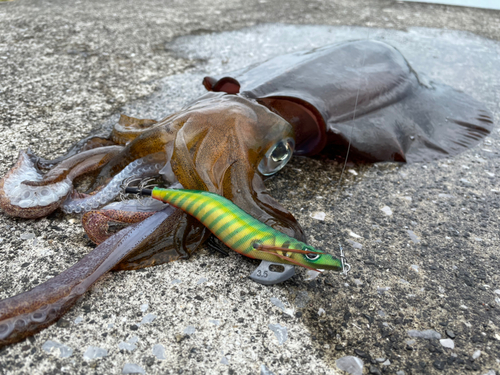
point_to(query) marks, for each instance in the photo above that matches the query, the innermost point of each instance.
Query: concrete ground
(67, 68)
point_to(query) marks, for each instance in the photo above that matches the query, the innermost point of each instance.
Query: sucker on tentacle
(25, 192)
(144, 167)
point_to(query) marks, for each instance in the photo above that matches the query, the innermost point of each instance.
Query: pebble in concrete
(201, 280)
(265, 371)
(448, 343)
(57, 349)
(386, 210)
(132, 368)
(159, 351)
(476, 354)
(94, 352)
(318, 215)
(428, 334)
(413, 236)
(350, 364)
(280, 332)
(129, 344)
(148, 318)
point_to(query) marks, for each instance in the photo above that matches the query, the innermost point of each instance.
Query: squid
(361, 95)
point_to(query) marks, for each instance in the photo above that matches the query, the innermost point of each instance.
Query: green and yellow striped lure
(243, 233)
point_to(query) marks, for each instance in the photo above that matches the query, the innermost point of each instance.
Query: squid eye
(277, 156)
(312, 256)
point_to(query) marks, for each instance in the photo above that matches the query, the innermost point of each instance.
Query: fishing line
(346, 267)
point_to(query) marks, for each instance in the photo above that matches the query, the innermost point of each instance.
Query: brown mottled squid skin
(217, 142)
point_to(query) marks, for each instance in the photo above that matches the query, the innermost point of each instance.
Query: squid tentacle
(144, 167)
(29, 312)
(25, 192)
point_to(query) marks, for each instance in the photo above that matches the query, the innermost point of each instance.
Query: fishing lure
(240, 231)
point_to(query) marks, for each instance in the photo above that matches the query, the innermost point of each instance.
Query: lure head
(317, 259)
(289, 250)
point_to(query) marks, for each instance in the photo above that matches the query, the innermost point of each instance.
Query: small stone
(355, 245)
(339, 347)
(179, 337)
(386, 210)
(276, 302)
(382, 290)
(380, 360)
(353, 172)
(497, 291)
(63, 323)
(311, 275)
(94, 352)
(321, 312)
(358, 282)
(386, 363)
(302, 298)
(78, 320)
(57, 349)
(415, 267)
(214, 322)
(129, 344)
(375, 370)
(438, 364)
(159, 351)
(350, 364)
(400, 372)
(360, 353)
(148, 318)
(144, 307)
(132, 368)
(27, 236)
(201, 281)
(413, 236)
(224, 361)
(448, 343)
(427, 334)
(189, 330)
(280, 332)
(450, 333)
(381, 313)
(176, 281)
(265, 371)
(318, 215)
(352, 234)
(476, 354)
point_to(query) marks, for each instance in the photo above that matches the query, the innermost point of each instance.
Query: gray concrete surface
(66, 69)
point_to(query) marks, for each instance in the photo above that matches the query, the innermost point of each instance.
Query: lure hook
(346, 267)
(139, 191)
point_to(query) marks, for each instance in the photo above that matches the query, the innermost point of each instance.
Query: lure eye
(277, 156)
(312, 256)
